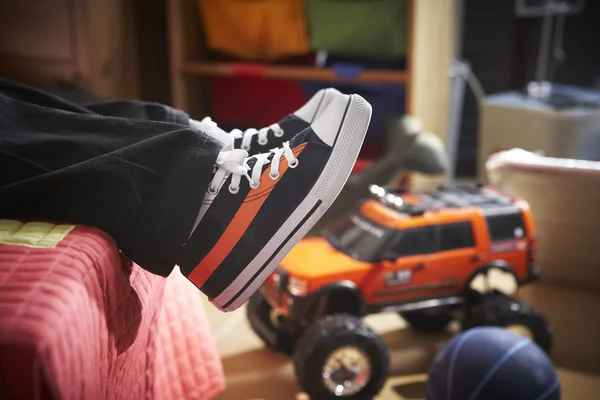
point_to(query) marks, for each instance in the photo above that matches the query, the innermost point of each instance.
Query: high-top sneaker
(256, 141)
(257, 208)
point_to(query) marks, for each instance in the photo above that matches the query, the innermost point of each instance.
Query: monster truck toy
(415, 254)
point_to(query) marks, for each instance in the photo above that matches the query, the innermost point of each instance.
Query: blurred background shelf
(207, 60)
(341, 74)
(165, 51)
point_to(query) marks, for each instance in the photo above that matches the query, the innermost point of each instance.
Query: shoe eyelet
(279, 133)
(253, 186)
(246, 148)
(294, 164)
(274, 177)
(233, 190)
(263, 141)
(212, 191)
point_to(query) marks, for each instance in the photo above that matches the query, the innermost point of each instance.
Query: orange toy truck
(419, 255)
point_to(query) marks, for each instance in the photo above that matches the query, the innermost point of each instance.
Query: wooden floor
(256, 373)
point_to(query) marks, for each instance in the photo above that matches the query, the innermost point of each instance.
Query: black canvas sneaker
(257, 208)
(256, 141)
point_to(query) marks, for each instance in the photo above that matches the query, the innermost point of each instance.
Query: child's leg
(140, 181)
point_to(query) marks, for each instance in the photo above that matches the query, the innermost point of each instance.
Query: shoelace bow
(235, 163)
(248, 134)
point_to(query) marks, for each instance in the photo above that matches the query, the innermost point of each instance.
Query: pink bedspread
(78, 321)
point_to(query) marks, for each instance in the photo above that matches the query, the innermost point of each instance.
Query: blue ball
(489, 363)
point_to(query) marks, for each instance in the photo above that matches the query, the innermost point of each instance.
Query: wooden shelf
(291, 72)
(188, 61)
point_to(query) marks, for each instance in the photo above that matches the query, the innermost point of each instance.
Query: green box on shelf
(360, 27)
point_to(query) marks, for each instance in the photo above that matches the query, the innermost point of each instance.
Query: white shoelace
(235, 162)
(247, 135)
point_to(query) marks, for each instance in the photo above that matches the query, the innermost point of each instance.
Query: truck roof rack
(444, 198)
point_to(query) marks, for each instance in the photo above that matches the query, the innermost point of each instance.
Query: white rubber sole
(313, 109)
(328, 186)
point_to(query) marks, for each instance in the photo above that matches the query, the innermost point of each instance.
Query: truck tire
(340, 353)
(497, 309)
(429, 320)
(259, 316)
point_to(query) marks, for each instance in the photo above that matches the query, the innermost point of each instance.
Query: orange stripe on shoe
(239, 223)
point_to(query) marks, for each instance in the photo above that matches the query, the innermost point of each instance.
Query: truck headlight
(298, 287)
(275, 280)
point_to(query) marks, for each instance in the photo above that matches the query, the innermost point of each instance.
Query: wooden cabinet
(89, 43)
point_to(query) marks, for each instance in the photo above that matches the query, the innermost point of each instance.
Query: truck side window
(411, 242)
(506, 226)
(455, 236)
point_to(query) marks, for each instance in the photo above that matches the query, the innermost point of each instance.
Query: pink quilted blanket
(79, 321)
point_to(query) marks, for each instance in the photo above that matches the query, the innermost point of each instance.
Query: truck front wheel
(259, 314)
(339, 356)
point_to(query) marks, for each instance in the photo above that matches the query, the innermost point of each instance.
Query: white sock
(211, 128)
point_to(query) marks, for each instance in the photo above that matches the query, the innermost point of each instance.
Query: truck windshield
(359, 237)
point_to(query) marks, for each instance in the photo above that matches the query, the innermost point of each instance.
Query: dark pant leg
(141, 181)
(141, 110)
(31, 95)
(131, 109)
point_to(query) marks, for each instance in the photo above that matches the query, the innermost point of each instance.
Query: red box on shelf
(253, 101)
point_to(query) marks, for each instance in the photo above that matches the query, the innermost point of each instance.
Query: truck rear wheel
(497, 309)
(339, 356)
